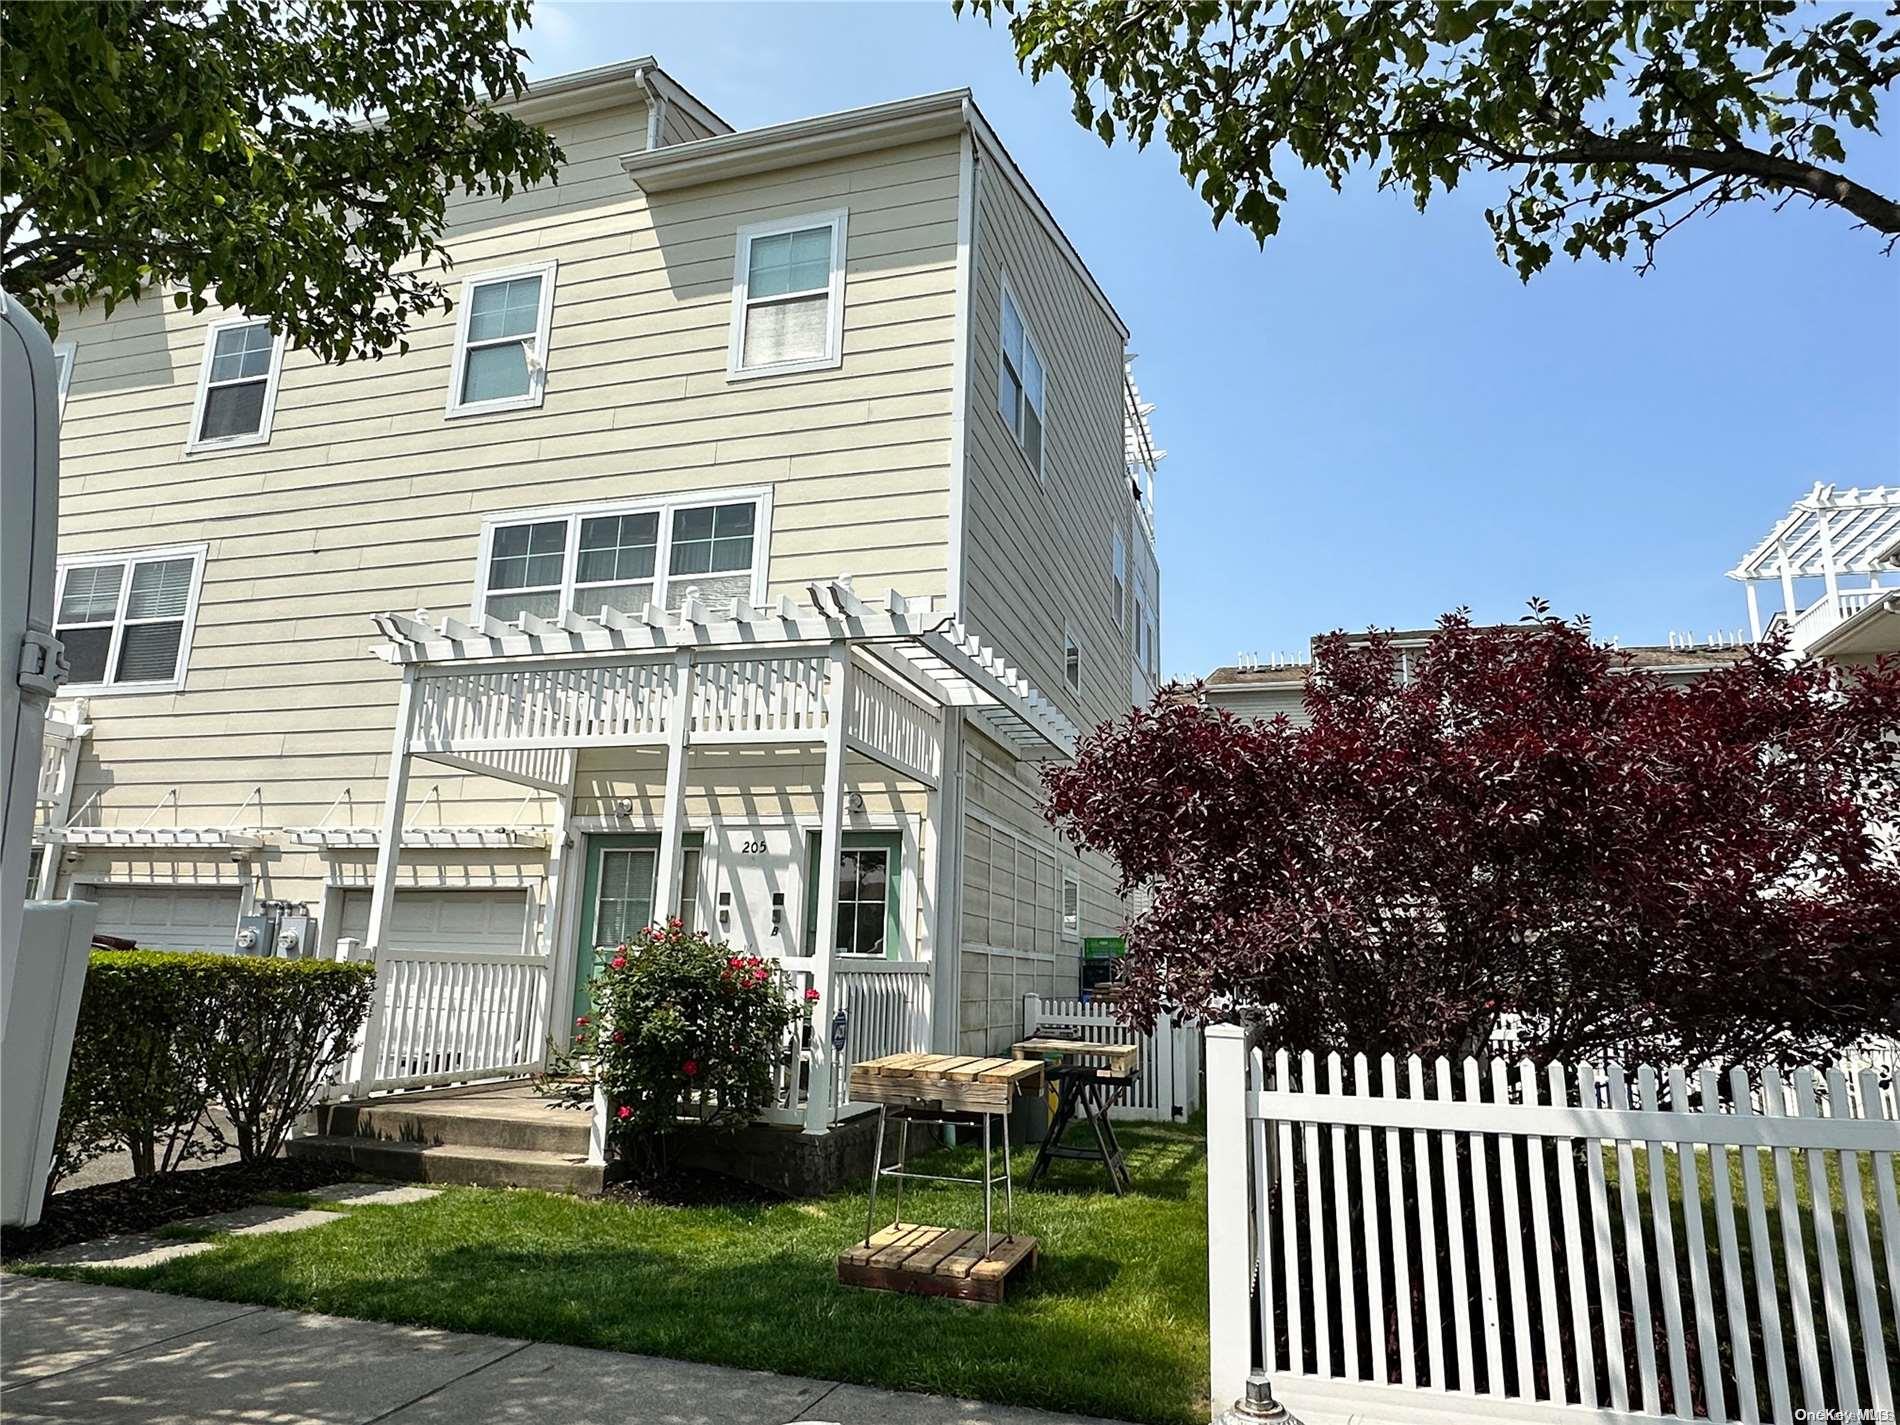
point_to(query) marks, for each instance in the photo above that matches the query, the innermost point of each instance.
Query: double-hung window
(1118, 580)
(1072, 660)
(1020, 382)
(625, 556)
(1071, 907)
(126, 619)
(788, 296)
(237, 385)
(501, 341)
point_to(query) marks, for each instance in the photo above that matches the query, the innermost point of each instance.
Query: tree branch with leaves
(1615, 123)
(293, 159)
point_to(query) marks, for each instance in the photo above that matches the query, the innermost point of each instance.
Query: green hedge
(163, 1035)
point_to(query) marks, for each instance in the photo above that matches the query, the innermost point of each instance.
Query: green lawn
(1114, 1321)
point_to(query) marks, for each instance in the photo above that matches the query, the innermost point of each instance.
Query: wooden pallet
(937, 1261)
(968, 1083)
(1108, 1059)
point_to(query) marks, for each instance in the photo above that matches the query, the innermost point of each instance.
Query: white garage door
(484, 920)
(168, 917)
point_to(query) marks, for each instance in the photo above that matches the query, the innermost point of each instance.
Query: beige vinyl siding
(368, 499)
(1037, 559)
(678, 126)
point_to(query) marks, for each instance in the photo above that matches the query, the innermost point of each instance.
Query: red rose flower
(811, 995)
(625, 1112)
(619, 962)
(690, 1067)
(620, 1036)
(581, 1023)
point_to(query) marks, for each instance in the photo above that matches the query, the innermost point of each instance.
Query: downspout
(947, 951)
(656, 109)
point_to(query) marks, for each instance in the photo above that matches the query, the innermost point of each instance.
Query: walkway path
(113, 1356)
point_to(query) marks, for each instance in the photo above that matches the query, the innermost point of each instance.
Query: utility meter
(281, 928)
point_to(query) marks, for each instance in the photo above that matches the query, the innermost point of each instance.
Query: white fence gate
(1413, 1241)
(1168, 1084)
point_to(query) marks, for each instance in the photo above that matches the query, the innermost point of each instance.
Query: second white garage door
(167, 917)
(485, 921)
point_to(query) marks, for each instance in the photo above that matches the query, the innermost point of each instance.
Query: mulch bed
(142, 1204)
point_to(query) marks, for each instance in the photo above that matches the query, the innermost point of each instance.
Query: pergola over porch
(519, 701)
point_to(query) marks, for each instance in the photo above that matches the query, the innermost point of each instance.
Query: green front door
(616, 901)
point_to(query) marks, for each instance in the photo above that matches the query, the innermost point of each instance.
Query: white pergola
(518, 701)
(1828, 534)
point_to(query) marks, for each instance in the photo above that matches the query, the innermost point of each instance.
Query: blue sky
(1373, 420)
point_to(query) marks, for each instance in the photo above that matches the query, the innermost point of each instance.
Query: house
(1834, 562)
(771, 504)
(1255, 687)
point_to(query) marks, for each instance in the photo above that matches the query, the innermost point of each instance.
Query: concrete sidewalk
(113, 1356)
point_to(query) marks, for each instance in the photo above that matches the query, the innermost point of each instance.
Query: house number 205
(752, 848)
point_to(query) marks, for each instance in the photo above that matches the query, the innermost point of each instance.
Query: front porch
(853, 694)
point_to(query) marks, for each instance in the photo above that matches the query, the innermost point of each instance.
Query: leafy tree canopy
(1615, 122)
(1526, 825)
(219, 153)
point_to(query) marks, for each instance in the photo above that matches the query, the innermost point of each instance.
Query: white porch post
(945, 819)
(388, 854)
(679, 716)
(824, 1071)
(553, 889)
(1754, 612)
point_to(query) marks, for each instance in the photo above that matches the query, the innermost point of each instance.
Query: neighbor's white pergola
(518, 701)
(1828, 534)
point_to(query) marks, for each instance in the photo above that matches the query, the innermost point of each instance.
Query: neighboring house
(1833, 561)
(1271, 688)
(682, 393)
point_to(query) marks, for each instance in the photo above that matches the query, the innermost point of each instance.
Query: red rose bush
(681, 1030)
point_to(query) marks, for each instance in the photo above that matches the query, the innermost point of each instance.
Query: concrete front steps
(502, 1136)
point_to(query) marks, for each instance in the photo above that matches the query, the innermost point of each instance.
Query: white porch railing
(449, 1016)
(1167, 1083)
(889, 1007)
(1454, 1241)
(1827, 613)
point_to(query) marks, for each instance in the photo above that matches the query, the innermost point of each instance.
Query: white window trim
(736, 370)
(70, 350)
(454, 407)
(758, 495)
(1071, 639)
(129, 557)
(1070, 932)
(260, 436)
(1008, 298)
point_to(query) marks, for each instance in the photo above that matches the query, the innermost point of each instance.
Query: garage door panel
(168, 917)
(489, 921)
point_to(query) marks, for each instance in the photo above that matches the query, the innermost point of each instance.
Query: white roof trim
(1853, 531)
(931, 651)
(623, 82)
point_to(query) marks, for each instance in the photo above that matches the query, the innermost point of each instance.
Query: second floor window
(125, 619)
(625, 557)
(788, 296)
(1072, 660)
(1019, 383)
(501, 341)
(237, 385)
(1118, 580)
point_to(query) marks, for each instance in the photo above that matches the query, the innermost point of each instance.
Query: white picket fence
(1412, 1241)
(1168, 1082)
